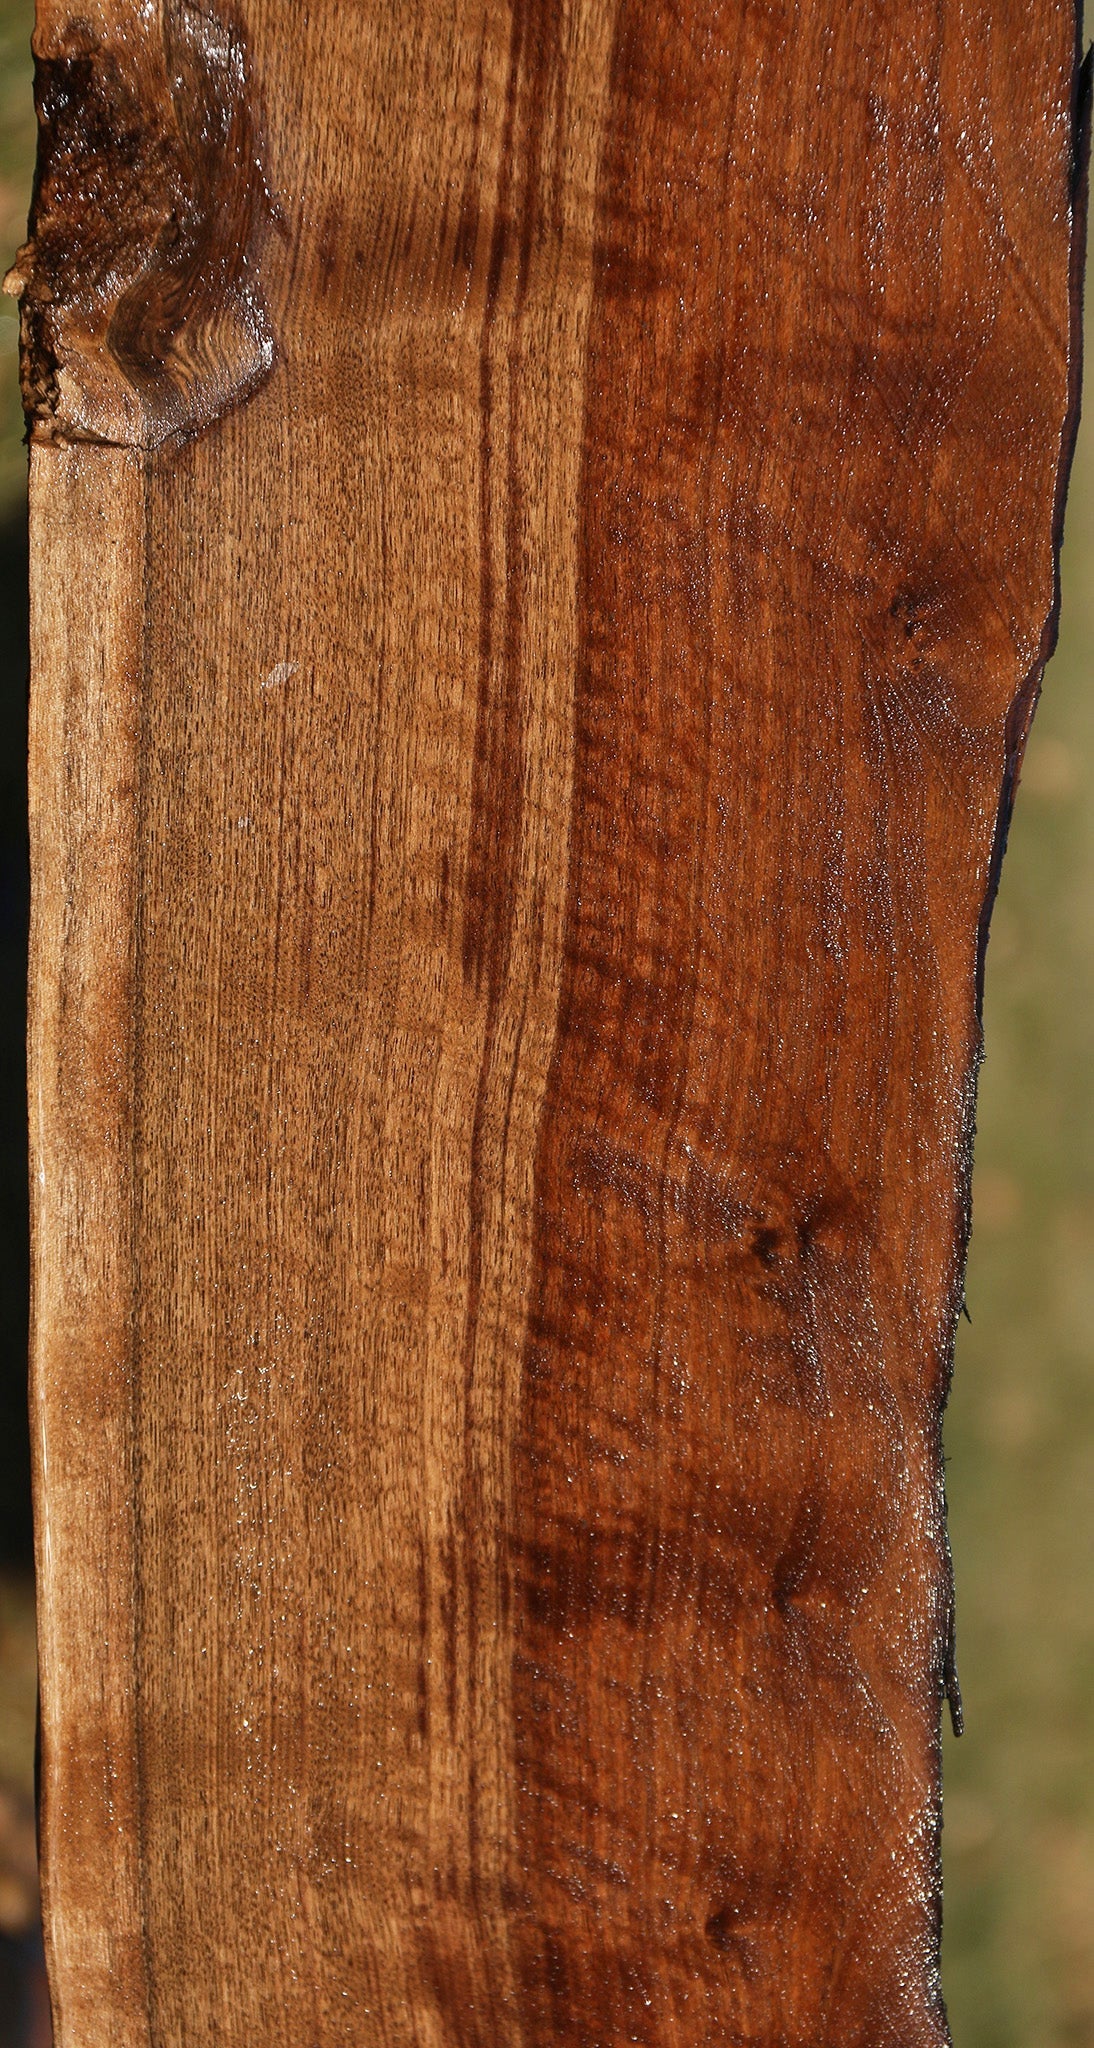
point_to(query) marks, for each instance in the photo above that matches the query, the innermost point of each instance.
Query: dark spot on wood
(719, 1927)
(143, 313)
(907, 612)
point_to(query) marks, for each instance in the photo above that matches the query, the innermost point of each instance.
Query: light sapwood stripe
(87, 521)
(358, 597)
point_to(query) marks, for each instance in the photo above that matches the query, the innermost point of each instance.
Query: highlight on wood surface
(544, 530)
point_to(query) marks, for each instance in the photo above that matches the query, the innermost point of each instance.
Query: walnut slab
(544, 549)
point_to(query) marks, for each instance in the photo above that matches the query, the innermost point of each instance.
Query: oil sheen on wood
(544, 531)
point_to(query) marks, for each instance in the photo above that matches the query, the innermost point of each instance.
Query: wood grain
(545, 527)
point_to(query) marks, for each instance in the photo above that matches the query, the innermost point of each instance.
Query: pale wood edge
(86, 553)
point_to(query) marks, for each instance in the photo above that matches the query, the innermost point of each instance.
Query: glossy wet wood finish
(544, 533)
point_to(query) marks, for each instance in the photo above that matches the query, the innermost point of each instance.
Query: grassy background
(1019, 1840)
(16, 162)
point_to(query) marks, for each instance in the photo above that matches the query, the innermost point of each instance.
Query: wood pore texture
(544, 526)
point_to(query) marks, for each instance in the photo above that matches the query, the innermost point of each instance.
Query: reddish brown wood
(545, 533)
(810, 647)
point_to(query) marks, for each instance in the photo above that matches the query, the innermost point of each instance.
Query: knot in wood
(143, 314)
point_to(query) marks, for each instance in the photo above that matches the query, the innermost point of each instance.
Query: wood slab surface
(545, 518)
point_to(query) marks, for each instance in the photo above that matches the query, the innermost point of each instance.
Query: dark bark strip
(803, 631)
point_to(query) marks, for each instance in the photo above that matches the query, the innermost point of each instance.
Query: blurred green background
(1018, 1959)
(1019, 1838)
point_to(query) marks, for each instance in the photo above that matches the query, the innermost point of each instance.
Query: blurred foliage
(16, 159)
(1019, 1837)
